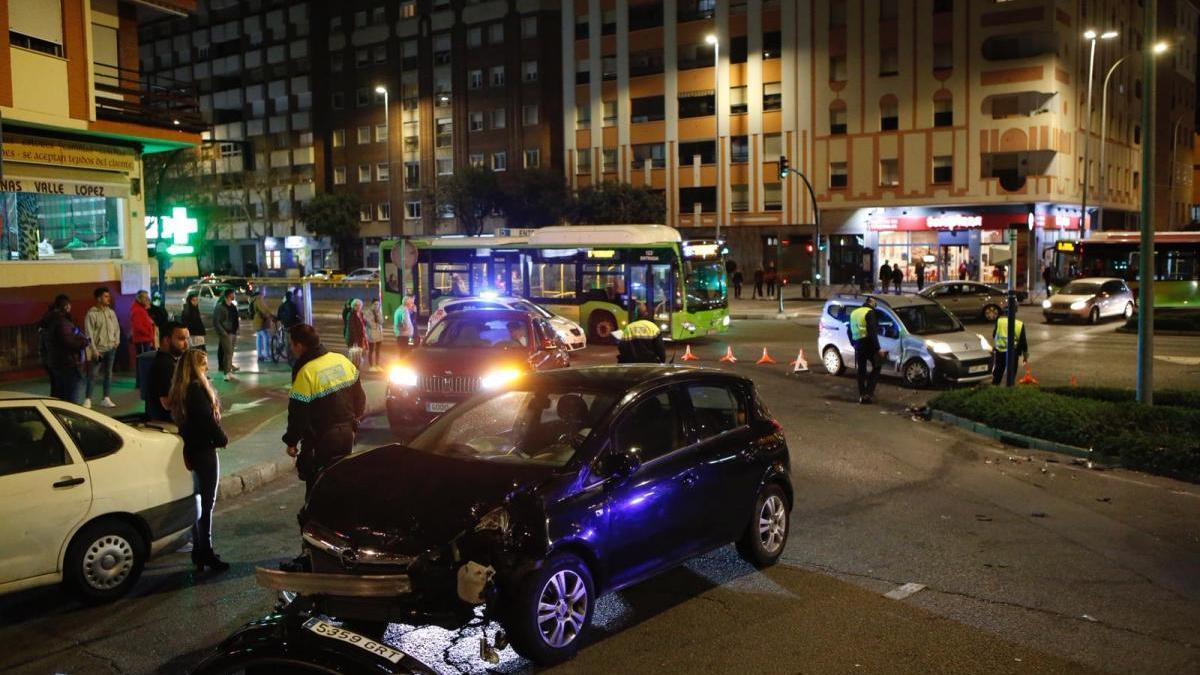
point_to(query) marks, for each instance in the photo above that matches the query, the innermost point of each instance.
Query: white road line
(902, 592)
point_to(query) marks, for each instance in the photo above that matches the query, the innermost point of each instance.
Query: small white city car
(85, 499)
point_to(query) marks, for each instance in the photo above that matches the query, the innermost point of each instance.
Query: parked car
(363, 274)
(212, 293)
(465, 352)
(1090, 299)
(537, 498)
(326, 274)
(969, 300)
(240, 284)
(571, 333)
(925, 343)
(86, 500)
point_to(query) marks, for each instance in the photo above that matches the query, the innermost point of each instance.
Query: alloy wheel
(562, 608)
(772, 524)
(108, 561)
(1128, 311)
(991, 312)
(916, 373)
(833, 361)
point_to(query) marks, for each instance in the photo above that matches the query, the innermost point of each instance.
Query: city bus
(1176, 263)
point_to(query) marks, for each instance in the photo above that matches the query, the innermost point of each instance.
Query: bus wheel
(601, 326)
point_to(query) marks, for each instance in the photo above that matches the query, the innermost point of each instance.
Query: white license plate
(978, 369)
(438, 406)
(337, 633)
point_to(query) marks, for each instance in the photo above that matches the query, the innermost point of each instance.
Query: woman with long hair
(197, 411)
(356, 337)
(191, 318)
(374, 320)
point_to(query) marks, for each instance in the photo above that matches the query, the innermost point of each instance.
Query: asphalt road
(1028, 563)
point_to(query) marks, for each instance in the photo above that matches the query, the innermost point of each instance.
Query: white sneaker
(230, 378)
(87, 402)
(107, 402)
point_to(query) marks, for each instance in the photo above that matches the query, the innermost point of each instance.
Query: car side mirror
(619, 464)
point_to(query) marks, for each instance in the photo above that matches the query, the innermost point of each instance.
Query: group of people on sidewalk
(362, 328)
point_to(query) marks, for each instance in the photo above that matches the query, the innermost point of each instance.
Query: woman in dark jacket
(192, 320)
(197, 410)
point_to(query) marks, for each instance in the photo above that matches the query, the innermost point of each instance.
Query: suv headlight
(402, 376)
(1046, 304)
(498, 378)
(1079, 304)
(937, 346)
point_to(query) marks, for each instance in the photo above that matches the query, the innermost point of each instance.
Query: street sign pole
(1145, 345)
(1010, 353)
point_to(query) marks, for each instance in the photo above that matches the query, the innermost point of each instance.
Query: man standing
(758, 284)
(1048, 277)
(262, 316)
(864, 335)
(1001, 342)
(962, 271)
(225, 325)
(171, 346)
(65, 352)
(141, 324)
(289, 314)
(104, 331)
(324, 407)
(771, 278)
(897, 278)
(920, 272)
(885, 276)
(641, 342)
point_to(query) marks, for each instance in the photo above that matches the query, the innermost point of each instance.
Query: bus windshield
(705, 284)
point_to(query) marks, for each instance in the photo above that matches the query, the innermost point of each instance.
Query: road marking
(902, 592)
(242, 407)
(1180, 360)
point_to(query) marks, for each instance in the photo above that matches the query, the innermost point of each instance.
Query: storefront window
(61, 227)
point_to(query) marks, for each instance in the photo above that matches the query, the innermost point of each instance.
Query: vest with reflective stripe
(641, 330)
(858, 323)
(324, 375)
(1002, 332)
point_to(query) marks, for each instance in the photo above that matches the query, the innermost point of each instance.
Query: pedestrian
(1048, 278)
(196, 409)
(289, 313)
(897, 278)
(357, 340)
(160, 371)
(225, 325)
(66, 358)
(104, 330)
(920, 272)
(347, 310)
(261, 318)
(864, 336)
(640, 341)
(737, 284)
(374, 319)
(885, 276)
(772, 279)
(324, 406)
(759, 277)
(1000, 344)
(962, 271)
(158, 312)
(999, 272)
(141, 325)
(192, 320)
(402, 323)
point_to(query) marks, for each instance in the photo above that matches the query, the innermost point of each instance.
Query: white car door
(45, 491)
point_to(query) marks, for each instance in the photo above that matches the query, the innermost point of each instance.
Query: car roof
(893, 301)
(491, 314)
(1096, 280)
(21, 396)
(630, 376)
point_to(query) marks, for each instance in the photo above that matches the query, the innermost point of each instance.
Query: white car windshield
(459, 331)
(1080, 288)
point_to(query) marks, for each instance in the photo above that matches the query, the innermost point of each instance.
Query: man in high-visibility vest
(641, 342)
(864, 335)
(1000, 340)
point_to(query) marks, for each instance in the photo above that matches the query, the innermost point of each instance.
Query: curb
(252, 477)
(1021, 440)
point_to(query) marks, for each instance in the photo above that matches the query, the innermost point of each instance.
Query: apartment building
(1179, 24)
(927, 128)
(78, 118)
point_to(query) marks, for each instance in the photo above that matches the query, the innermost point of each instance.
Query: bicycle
(280, 349)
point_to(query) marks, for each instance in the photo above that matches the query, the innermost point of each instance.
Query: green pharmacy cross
(177, 228)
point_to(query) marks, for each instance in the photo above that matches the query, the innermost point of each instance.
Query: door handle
(69, 482)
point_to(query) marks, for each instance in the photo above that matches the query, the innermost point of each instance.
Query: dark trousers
(866, 381)
(66, 384)
(920, 281)
(225, 352)
(758, 290)
(333, 444)
(999, 365)
(737, 290)
(206, 470)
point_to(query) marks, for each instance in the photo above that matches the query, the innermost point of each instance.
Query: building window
(837, 118)
(697, 103)
(889, 172)
(739, 149)
(361, 57)
(475, 159)
(646, 62)
(412, 210)
(365, 213)
(445, 166)
(772, 146)
(441, 49)
(837, 175)
(583, 72)
(529, 71)
(772, 44)
(408, 9)
(496, 33)
(739, 198)
(583, 116)
(610, 113)
(772, 95)
(942, 6)
(887, 10)
(837, 68)
(364, 173)
(583, 161)
(772, 196)
(582, 27)
(408, 55)
(608, 22)
(533, 158)
(497, 74)
(529, 115)
(943, 169)
(412, 176)
(474, 79)
(379, 53)
(943, 55)
(837, 14)
(383, 211)
(737, 100)
(475, 122)
(382, 173)
(647, 109)
(36, 25)
(364, 135)
(338, 100)
(499, 161)
(705, 150)
(475, 37)
(381, 133)
(339, 175)
(608, 67)
(608, 160)
(655, 153)
(444, 130)
(339, 138)
(499, 117)
(943, 112)
(362, 98)
(889, 61)
(889, 114)
(529, 26)
(738, 49)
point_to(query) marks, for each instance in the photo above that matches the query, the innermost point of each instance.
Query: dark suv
(536, 499)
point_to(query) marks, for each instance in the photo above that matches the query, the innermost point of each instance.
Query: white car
(363, 274)
(86, 500)
(572, 335)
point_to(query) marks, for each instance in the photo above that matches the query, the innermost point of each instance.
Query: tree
(615, 203)
(173, 178)
(335, 216)
(472, 193)
(534, 197)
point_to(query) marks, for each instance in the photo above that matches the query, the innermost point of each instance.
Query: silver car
(969, 300)
(1090, 299)
(210, 295)
(923, 341)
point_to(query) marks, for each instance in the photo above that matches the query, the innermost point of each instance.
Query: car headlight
(1079, 304)
(726, 320)
(402, 376)
(498, 378)
(937, 346)
(983, 343)
(496, 520)
(1046, 304)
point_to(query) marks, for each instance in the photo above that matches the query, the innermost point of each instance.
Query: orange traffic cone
(729, 357)
(800, 365)
(688, 355)
(765, 359)
(1073, 382)
(1029, 378)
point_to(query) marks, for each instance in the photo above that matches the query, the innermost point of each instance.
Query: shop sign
(70, 155)
(293, 242)
(66, 188)
(954, 222)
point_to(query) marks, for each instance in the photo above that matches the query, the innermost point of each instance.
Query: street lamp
(1091, 37)
(711, 39)
(387, 125)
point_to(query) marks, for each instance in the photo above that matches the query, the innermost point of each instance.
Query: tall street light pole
(1145, 345)
(1091, 36)
(387, 125)
(711, 39)
(1104, 137)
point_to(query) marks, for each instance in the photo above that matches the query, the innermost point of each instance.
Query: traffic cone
(765, 359)
(688, 355)
(1029, 378)
(729, 357)
(1073, 382)
(800, 365)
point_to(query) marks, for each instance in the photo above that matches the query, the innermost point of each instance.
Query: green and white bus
(601, 276)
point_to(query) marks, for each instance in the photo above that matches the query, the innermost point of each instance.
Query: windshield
(523, 427)
(927, 319)
(479, 332)
(1080, 288)
(527, 306)
(705, 284)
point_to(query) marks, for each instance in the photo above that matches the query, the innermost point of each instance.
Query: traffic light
(784, 168)
(808, 247)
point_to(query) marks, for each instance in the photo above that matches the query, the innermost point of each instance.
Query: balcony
(125, 95)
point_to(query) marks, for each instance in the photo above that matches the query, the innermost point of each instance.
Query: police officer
(864, 335)
(1000, 352)
(641, 341)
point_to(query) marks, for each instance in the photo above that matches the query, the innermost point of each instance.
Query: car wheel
(1128, 313)
(832, 359)
(601, 326)
(551, 610)
(1094, 316)
(916, 373)
(104, 560)
(991, 313)
(766, 535)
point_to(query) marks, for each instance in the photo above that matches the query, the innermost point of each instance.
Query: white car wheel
(833, 361)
